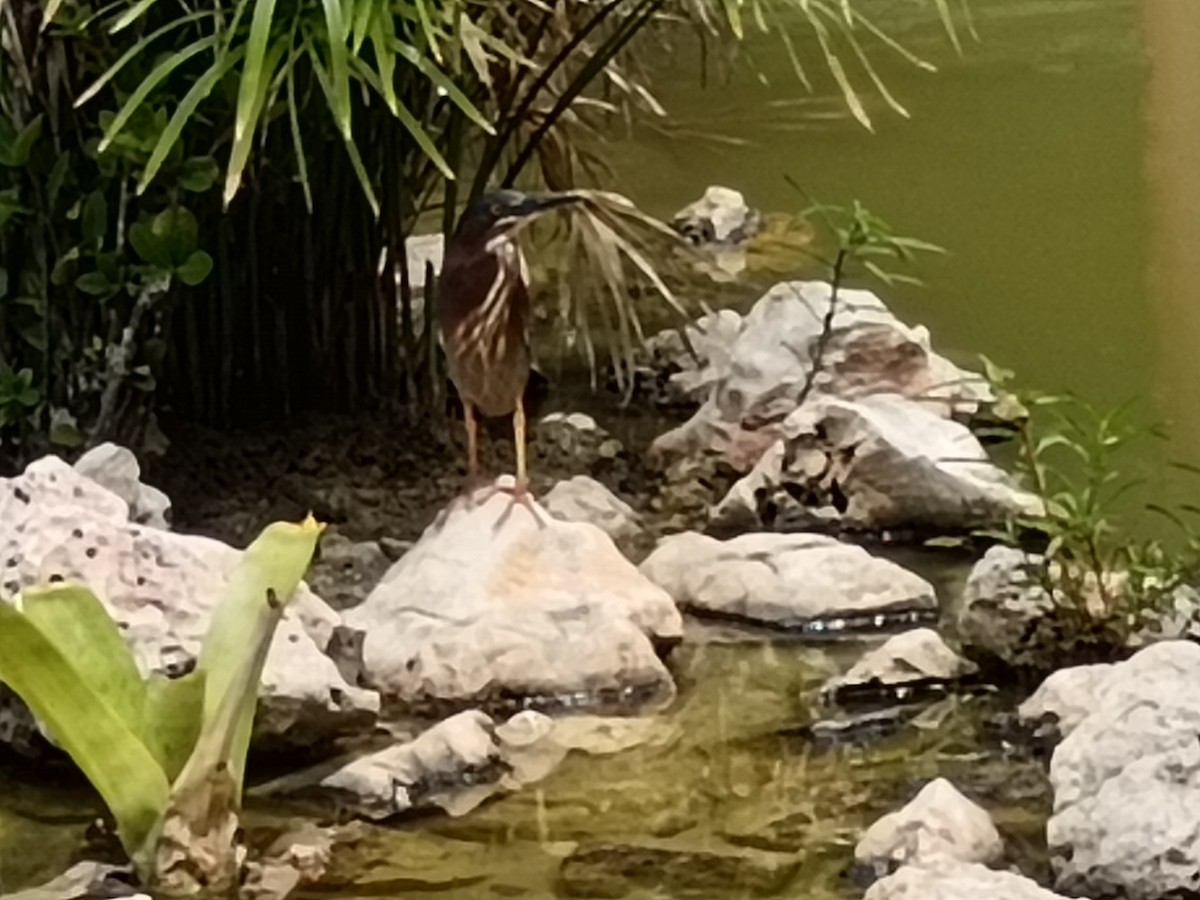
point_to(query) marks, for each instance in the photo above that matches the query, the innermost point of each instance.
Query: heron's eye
(497, 210)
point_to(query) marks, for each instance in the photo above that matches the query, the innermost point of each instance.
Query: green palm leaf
(132, 53)
(250, 89)
(187, 106)
(339, 72)
(151, 81)
(239, 154)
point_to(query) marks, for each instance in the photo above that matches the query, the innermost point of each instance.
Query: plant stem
(818, 353)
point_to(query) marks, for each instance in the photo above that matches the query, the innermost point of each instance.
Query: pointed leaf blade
(114, 759)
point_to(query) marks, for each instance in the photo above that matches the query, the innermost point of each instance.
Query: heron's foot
(523, 496)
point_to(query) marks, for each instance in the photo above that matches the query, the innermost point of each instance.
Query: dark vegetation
(203, 205)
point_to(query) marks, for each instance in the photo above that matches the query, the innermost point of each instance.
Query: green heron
(483, 311)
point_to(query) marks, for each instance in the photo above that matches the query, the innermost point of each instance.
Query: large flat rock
(786, 580)
(499, 600)
(882, 462)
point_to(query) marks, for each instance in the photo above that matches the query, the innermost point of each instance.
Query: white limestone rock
(161, 589)
(584, 499)
(721, 216)
(916, 656)
(1067, 697)
(499, 599)
(951, 880)
(938, 823)
(1002, 601)
(690, 363)
(878, 463)
(757, 382)
(116, 468)
(1126, 782)
(455, 765)
(786, 580)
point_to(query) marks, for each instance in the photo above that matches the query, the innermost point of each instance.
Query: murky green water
(732, 797)
(1061, 170)
(1057, 160)
(1025, 159)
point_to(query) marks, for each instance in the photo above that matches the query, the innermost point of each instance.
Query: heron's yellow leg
(472, 446)
(519, 441)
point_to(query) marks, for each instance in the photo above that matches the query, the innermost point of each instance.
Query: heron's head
(501, 212)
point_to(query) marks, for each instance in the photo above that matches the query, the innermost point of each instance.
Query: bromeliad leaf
(173, 712)
(85, 724)
(80, 628)
(265, 578)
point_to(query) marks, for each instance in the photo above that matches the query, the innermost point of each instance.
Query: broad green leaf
(17, 153)
(177, 230)
(130, 54)
(173, 714)
(262, 583)
(208, 792)
(81, 630)
(57, 177)
(148, 245)
(183, 113)
(199, 174)
(10, 205)
(339, 73)
(94, 283)
(196, 269)
(114, 759)
(151, 81)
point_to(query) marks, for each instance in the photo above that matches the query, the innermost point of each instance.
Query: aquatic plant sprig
(860, 238)
(1071, 455)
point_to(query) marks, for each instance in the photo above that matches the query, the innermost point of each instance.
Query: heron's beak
(535, 205)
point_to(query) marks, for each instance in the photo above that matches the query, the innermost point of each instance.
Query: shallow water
(1059, 168)
(742, 788)
(731, 797)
